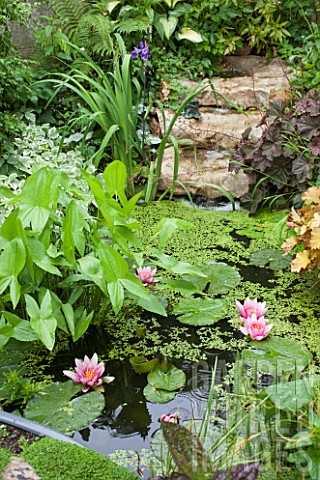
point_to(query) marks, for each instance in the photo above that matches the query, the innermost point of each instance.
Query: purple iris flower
(143, 51)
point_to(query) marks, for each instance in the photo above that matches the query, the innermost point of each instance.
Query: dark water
(128, 421)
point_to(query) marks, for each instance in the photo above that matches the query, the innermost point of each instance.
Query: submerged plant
(89, 372)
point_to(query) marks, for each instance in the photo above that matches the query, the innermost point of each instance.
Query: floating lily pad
(270, 258)
(251, 232)
(142, 365)
(55, 409)
(295, 394)
(157, 395)
(201, 311)
(221, 276)
(276, 355)
(170, 380)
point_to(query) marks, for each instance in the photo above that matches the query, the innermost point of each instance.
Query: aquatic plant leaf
(142, 365)
(187, 451)
(170, 380)
(246, 471)
(295, 394)
(309, 460)
(167, 226)
(18, 328)
(250, 232)
(156, 395)
(201, 311)
(270, 258)
(53, 407)
(275, 355)
(172, 265)
(183, 286)
(115, 177)
(223, 278)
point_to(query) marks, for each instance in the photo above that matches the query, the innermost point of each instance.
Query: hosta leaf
(189, 34)
(168, 24)
(170, 380)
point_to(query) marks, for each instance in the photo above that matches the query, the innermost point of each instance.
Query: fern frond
(70, 12)
(94, 33)
(137, 24)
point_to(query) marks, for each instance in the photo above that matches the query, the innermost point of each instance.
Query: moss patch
(55, 460)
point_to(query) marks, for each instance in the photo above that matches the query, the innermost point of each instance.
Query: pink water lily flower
(89, 372)
(170, 417)
(251, 306)
(146, 275)
(257, 328)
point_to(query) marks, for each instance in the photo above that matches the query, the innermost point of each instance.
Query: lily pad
(222, 278)
(142, 365)
(170, 380)
(293, 395)
(54, 408)
(275, 355)
(201, 311)
(270, 258)
(156, 395)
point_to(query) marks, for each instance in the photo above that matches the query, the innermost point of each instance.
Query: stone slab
(218, 129)
(200, 170)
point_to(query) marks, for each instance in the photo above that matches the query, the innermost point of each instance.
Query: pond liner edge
(34, 427)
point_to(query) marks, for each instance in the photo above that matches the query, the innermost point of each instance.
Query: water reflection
(129, 422)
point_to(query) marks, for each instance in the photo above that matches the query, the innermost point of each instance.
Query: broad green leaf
(116, 294)
(72, 232)
(91, 268)
(13, 258)
(270, 258)
(293, 395)
(170, 380)
(115, 177)
(201, 311)
(112, 5)
(189, 34)
(156, 395)
(168, 24)
(54, 409)
(14, 291)
(183, 286)
(300, 440)
(131, 283)
(167, 226)
(150, 303)
(113, 264)
(82, 322)
(42, 320)
(40, 257)
(38, 198)
(69, 316)
(174, 266)
(275, 355)
(308, 460)
(18, 328)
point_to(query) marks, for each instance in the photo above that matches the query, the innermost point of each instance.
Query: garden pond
(133, 342)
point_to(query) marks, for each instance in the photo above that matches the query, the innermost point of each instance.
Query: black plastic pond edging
(34, 427)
